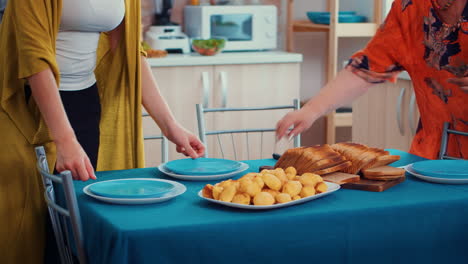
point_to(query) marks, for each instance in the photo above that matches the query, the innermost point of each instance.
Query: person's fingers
(74, 173)
(180, 149)
(58, 167)
(200, 148)
(81, 169)
(283, 126)
(189, 151)
(296, 130)
(197, 145)
(90, 169)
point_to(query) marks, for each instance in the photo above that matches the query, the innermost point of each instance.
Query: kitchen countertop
(224, 58)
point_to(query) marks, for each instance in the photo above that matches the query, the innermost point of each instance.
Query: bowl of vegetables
(208, 47)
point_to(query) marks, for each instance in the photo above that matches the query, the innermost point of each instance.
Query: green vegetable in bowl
(209, 43)
(208, 47)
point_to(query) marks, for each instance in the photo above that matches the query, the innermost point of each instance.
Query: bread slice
(384, 178)
(341, 177)
(311, 155)
(382, 161)
(356, 153)
(350, 150)
(339, 167)
(325, 163)
(367, 158)
(323, 157)
(289, 158)
(383, 171)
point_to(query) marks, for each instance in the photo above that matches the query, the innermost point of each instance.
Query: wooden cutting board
(372, 186)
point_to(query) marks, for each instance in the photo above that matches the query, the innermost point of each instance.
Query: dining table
(413, 222)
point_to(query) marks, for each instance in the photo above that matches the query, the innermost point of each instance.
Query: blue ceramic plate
(314, 15)
(449, 169)
(325, 19)
(203, 166)
(131, 188)
(178, 189)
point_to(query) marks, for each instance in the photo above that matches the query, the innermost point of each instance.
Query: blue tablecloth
(413, 222)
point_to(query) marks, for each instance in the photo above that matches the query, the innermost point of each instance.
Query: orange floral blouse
(413, 38)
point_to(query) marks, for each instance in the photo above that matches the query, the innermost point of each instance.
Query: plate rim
(178, 190)
(223, 172)
(409, 167)
(139, 179)
(274, 206)
(169, 173)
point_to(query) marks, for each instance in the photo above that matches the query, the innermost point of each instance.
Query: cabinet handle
(411, 114)
(399, 110)
(206, 88)
(224, 88)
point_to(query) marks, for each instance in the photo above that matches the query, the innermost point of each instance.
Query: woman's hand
(72, 157)
(341, 91)
(186, 142)
(461, 82)
(300, 119)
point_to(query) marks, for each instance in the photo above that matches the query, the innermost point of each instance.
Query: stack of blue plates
(203, 168)
(441, 171)
(343, 17)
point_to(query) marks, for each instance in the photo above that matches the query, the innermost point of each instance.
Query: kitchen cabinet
(386, 116)
(218, 86)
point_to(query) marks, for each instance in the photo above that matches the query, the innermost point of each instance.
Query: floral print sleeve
(415, 39)
(380, 60)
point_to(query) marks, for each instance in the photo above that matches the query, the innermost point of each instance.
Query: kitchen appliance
(168, 38)
(246, 27)
(166, 35)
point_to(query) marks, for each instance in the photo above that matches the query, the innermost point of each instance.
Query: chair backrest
(203, 132)
(62, 217)
(444, 141)
(164, 143)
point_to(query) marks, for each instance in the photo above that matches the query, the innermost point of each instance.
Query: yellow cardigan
(27, 46)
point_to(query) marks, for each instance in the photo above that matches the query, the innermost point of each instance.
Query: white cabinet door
(182, 88)
(254, 85)
(381, 117)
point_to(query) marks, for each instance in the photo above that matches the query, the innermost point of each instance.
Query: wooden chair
(444, 141)
(203, 132)
(64, 219)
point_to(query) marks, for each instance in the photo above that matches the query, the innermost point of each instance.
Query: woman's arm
(157, 108)
(70, 155)
(344, 89)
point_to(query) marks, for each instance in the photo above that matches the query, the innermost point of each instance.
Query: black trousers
(83, 109)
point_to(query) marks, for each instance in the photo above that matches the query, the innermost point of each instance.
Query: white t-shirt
(78, 36)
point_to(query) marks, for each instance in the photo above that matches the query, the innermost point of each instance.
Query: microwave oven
(249, 27)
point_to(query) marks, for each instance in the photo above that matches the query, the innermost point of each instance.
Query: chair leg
(443, 141)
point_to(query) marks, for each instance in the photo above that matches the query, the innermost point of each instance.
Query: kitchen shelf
(335, 31)
(342, 29)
